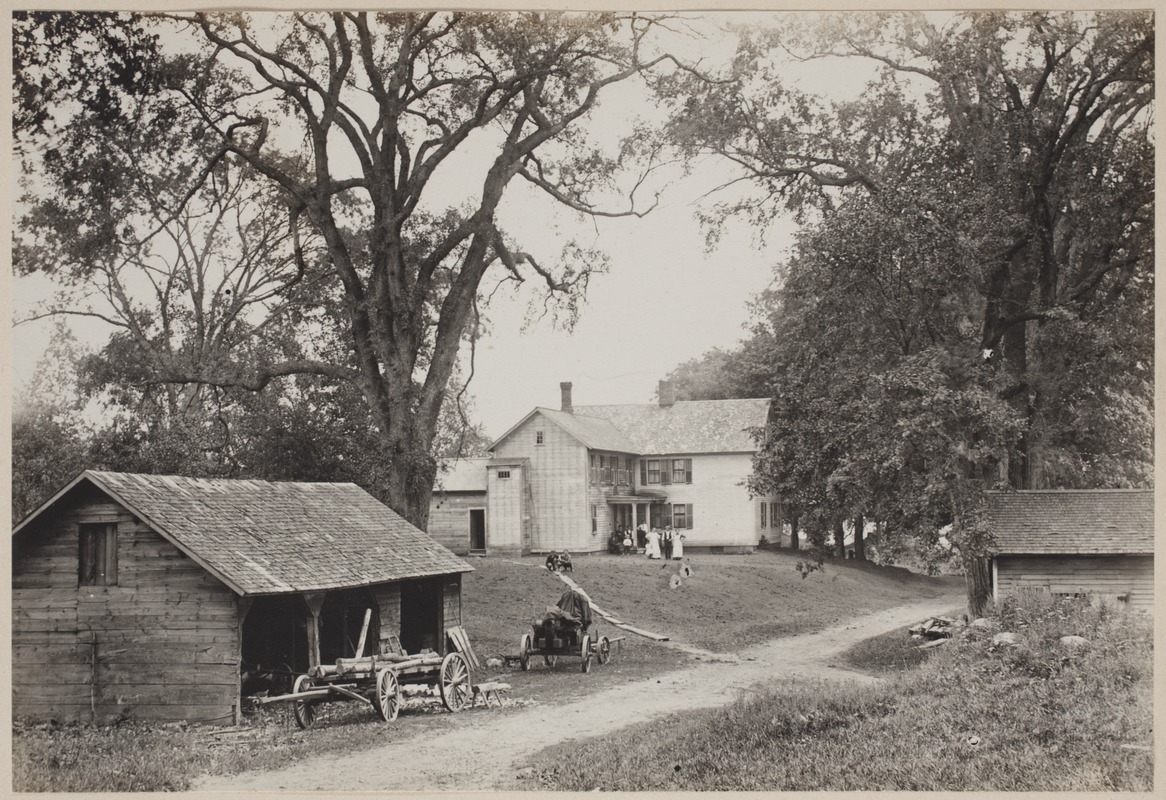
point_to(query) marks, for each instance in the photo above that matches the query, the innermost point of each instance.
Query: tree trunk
(859, 533)
(793, 532)
(840, 540)
(979, 585)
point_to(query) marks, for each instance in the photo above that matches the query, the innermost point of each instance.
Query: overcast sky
(665, 300)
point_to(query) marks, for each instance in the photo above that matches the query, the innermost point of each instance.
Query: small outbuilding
(152, 597)
(1098, 542)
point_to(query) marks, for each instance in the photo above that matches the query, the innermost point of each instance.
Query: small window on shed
(503, 474)
(97, 555)
(538, 437)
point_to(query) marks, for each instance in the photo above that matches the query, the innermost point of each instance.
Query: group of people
(664, 544)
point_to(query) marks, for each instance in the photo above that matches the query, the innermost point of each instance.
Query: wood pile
(935, 628)
(368, 664)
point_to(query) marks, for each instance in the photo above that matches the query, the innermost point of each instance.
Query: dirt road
(482, 752)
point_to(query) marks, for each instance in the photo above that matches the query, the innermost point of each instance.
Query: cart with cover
(565, 630)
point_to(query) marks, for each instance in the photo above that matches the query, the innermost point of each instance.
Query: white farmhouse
(565, 479)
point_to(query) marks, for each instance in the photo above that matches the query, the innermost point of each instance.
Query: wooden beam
(363, 632)
(314, 602)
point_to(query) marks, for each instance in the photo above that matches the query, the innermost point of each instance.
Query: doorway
(421, 615)
(477, 530)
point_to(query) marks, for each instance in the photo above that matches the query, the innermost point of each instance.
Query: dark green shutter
(666, 472)
(643, 472)
(688, 514)
(688, 470)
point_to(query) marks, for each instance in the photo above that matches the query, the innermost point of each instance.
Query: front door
(477, 529)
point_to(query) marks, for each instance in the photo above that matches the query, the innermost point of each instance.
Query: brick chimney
(667, 394)
(565, 391)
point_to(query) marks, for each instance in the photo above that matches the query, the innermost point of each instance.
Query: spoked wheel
(455, 681)
(524, 652)
(304, 711)
(585, 652)
(550, 661)
(603, 651)
(388, 699)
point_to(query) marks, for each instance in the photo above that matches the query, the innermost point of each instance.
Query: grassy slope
(974, 717)
(729, 602)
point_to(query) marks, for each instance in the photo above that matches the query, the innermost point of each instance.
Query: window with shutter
(97, 555)
(643, 472)
(763, 520)
(688, 470)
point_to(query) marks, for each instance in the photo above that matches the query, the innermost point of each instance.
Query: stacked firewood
(365, 664)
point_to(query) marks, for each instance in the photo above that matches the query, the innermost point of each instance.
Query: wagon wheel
(585, 651)
(603, 652)
(388, 697)
(303, 710)
(455, 681)
(524, 652)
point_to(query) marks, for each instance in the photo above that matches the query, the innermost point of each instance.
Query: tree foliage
(277, 178)
(970, 304)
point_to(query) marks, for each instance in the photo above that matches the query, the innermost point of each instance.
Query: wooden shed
(148, 596)
(1098, 542)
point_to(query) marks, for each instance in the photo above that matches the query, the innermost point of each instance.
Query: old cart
(377, 681)
(564, 631)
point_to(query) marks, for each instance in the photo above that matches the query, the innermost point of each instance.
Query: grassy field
(729, 602)
(1035, 717)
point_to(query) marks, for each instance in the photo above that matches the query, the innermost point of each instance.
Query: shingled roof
(688, 426)
(1096, 521)
(260, 537)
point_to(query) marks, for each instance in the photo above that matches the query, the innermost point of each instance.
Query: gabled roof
(687, 426)
(1092, 521)
(592, 432)
(462, 475)
(272, 538)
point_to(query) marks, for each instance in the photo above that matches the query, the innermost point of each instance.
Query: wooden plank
(461, 643)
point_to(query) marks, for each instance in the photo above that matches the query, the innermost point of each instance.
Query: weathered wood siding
(723, 513)
(451, 606)
(558, 480)
(1094, 574)
(598, 493)
(449, 518)
(388, 600)
(505, 510)
(163, 644)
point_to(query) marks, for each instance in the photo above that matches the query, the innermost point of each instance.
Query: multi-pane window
(608, 469)
(653, 471)
(97, 556)
(503, 474)
(538, 437)
(682, 470)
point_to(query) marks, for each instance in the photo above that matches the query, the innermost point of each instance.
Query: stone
(1073, 642)
(1005, 639)
(493, 662)
(984, 623)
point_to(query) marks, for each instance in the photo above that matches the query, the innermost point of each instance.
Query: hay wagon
(376, 681)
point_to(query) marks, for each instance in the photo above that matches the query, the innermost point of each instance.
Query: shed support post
(243, 604)
(314, 601)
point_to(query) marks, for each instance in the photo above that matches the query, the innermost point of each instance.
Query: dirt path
(482, 752)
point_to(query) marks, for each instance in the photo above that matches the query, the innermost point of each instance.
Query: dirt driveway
(481, 753)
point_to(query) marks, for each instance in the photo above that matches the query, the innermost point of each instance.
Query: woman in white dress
(677, 546)
(653, 548)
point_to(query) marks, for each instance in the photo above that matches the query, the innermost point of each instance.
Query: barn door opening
(477, 530)
(341, 622)
(275, 643)
(421, 615)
